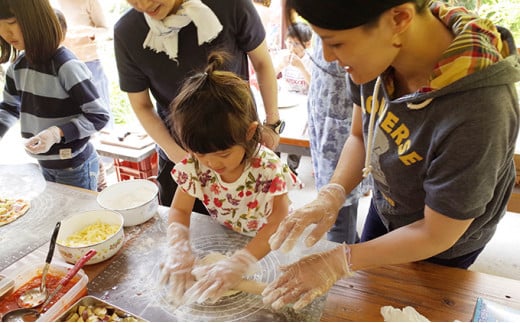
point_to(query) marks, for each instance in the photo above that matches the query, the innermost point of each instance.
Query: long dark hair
(40, 28)
(214, 110)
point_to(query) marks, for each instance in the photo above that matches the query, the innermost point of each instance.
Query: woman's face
(10, 31)
(364, 52)
(155, 9)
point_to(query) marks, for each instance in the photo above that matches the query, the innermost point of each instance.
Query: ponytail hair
(214, 110)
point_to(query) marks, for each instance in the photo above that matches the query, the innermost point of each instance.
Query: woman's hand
(323, 212)
(308, 278)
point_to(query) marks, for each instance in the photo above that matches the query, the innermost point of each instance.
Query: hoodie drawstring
(371, 127)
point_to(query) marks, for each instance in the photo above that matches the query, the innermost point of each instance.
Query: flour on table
(212, 258)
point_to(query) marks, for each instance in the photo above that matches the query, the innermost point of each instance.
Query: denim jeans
(374, 228)
(84, 176)
(345, 228)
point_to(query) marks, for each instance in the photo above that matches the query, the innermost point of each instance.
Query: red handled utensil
(31, 315)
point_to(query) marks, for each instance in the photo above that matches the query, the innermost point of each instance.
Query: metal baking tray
(122, 315)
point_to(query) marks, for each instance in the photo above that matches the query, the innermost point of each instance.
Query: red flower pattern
(267, 176)
(252, 225)
(252, 204)
(217, 202)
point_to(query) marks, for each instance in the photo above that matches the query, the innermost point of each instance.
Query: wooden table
(439, 293)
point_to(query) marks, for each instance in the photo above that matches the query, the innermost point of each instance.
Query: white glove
(42, 142)
(323, 211)
(308, 278)
(176, 271)
(216, 279)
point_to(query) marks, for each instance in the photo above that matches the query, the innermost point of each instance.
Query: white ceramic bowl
(137, 200)
(78, 221)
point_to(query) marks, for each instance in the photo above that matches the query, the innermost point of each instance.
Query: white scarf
(164, 34)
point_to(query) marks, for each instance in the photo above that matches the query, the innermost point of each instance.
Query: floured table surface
(50, 203)
(131, 281)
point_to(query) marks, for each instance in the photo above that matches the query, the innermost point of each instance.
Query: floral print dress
(245, 205)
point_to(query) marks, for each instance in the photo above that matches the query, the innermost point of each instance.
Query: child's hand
(295, 61)
(42, 142)
(216, 279)
(176, 271)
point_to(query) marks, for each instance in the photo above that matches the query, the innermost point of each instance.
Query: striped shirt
(61, 94)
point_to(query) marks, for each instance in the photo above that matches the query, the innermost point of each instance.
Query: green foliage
(504, 13)
(119, 104)
(121, 109)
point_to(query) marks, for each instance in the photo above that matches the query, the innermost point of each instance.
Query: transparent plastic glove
(323, 212)
(308, 278)
(42, 142)
(176, 271)
(216, 279)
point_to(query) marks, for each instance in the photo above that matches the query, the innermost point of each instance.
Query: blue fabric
(344, 229)
(329, 119)
(373, 226)
(100, 80)
(84, 175)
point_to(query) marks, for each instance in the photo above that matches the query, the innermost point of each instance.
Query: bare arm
(259, 245)
(349, 170)
(181, 207)
(266, 78)
(420, 240)
(263, 65)
(154, 126)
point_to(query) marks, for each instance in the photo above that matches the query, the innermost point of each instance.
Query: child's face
(155, 9)
(10, 31)
(227, 163)
(294, 45)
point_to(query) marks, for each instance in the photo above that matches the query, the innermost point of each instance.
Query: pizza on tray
(12, 209)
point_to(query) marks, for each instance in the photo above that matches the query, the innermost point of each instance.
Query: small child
(51, 92)
(294, 66)
(242, 183)
(294, 63)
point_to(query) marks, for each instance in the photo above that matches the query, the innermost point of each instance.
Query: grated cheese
(91, 234)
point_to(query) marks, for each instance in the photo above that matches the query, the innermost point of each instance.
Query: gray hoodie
(450, 149)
